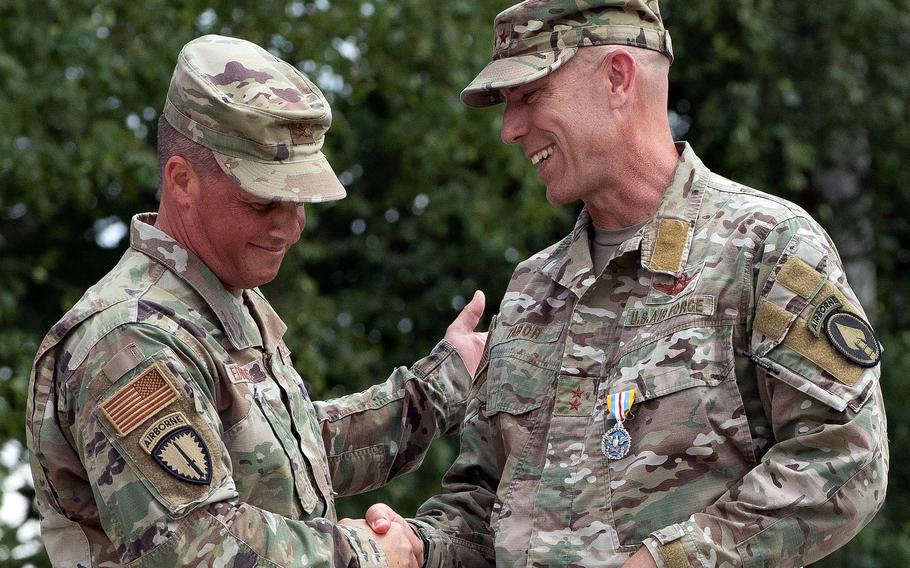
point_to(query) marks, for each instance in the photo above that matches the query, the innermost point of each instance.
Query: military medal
(616, 441)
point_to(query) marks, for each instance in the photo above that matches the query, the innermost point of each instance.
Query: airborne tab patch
(821, 312)
(183, 454)
(853, 338)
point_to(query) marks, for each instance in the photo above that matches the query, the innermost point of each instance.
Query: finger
(380, 517)
(470, 315)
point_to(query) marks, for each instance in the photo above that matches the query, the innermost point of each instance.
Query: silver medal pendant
(616, 442)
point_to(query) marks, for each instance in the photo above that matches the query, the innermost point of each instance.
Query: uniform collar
(241, 331)
(665, 239)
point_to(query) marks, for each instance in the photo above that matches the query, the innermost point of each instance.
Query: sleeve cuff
(449, 377)
(366, 550)
(667, 547)
(432, 552)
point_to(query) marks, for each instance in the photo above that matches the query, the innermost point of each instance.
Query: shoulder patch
(853, 338)
(183, 454)
(138, 400)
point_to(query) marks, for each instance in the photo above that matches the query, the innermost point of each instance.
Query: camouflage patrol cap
(264, 120)
(535, 37)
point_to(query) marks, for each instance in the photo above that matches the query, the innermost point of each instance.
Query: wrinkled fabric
(743, 452)
(167, 426)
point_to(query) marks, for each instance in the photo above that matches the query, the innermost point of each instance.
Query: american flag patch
(139, 400)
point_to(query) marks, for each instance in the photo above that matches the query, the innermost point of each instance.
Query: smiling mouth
(543, 155)
(276, 250)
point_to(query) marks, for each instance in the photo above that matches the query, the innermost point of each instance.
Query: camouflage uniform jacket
(753, 442)
(167, 426)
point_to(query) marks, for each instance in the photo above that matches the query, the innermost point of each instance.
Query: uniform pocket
(690, 436)
(269, 402)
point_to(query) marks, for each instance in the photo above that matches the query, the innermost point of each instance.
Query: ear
(620, 70)
(180, 181)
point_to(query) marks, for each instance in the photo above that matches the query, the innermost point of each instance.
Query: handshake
(402, 546)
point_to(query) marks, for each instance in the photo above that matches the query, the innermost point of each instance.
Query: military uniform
(168, 426)
(756, 437)
(166, 423)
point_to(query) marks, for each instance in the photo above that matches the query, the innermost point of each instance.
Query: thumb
(470, 315)
(380, 517)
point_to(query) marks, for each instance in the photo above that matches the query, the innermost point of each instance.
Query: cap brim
(301, 181)
(511, 72)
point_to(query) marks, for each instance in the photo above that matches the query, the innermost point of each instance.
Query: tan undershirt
(605, 243)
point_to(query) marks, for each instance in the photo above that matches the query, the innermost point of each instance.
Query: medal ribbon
(620, 404)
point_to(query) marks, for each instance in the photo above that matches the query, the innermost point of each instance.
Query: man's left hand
(461, 334)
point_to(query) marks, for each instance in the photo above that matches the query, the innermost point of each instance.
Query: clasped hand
(402, 546)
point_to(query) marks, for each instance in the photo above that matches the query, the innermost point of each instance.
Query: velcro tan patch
(819, 351)
(138, 400)
(771, 320)
(799, 277)
(674, 555)
(672, 236)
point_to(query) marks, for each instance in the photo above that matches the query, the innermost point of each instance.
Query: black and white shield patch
(853, 338)
(183, 454)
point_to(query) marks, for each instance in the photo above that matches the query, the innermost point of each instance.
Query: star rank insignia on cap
(183, 454)
(853, 338)
(501, 35)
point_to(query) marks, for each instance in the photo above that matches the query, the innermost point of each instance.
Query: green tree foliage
(791, 97)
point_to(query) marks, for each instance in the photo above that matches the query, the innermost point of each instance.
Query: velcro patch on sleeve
(822, 353)
(177, 453)
(674, 555)
(772, 321)
(139, 400)
(672, 236)
(800, 278)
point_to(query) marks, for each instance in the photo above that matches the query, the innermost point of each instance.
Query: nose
(289, 221)
(514, 123)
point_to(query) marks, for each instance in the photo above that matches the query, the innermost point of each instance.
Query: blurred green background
(807, 100)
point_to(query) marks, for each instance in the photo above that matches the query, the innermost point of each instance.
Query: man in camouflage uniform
(686, 379)
(167, 425)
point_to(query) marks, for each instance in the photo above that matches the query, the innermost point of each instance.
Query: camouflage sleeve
(455, 524)
(144, 420)
(825, 473)
(385, 431)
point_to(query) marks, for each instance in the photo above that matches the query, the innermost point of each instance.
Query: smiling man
(167, 425)
(686, 379)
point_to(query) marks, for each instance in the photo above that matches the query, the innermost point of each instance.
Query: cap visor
(301, 181)
(510, 72)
